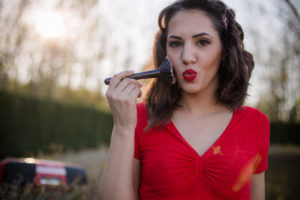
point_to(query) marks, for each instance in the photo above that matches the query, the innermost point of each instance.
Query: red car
(40, 172)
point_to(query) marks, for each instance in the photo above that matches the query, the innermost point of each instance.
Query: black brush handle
(141, 75)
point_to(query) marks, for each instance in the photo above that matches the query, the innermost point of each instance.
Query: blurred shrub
(285, 133)
(29, 125)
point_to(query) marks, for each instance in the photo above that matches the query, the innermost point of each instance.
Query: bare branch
(293, 8)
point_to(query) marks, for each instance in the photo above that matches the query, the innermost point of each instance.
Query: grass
(282, 177)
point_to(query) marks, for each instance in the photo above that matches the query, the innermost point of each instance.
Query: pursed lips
(189, 75)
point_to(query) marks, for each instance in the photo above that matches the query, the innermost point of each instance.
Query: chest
(201, 134)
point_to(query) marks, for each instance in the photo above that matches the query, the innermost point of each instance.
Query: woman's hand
(122, 94)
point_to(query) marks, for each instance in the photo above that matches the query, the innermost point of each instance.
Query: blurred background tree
(49, 49)
(281, 101)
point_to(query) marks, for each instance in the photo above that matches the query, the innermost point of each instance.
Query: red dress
(172, 170)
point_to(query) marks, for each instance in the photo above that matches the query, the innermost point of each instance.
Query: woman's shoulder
(251, 113)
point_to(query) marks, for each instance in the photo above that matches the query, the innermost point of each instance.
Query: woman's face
(194, 48)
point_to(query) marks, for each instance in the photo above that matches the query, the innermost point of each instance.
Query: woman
(193, 139)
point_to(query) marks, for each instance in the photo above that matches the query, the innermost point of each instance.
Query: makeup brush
(164, 71)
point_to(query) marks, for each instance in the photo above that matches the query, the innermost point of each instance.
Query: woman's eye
(174, 44)
(203, 42)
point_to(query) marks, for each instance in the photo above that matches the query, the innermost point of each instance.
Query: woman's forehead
(191, 21)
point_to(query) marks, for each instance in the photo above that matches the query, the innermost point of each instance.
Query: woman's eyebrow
(201, 34)
(175, 37)
(194, 36)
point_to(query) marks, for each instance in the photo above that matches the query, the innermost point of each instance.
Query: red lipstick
(189, 75)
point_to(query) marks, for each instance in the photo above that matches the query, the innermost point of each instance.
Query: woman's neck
(200, 104)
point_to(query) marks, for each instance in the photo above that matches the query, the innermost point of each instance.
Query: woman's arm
(257, 191)
(119, 179)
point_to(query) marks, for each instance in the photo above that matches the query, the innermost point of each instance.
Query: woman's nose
(188, 55)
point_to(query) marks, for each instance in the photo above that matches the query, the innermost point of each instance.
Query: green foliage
(82, 96)
(30, 125)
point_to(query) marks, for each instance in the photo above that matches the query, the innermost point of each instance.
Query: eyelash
(174, 44)
(201, 42)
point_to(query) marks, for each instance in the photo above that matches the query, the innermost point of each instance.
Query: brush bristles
(166, 71)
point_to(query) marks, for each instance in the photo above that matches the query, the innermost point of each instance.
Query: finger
(139, 88)
(130, 88)
(117, 78)
(126, 82)
(135, 93)
(137, 83)
(122, 85)
(123, 89)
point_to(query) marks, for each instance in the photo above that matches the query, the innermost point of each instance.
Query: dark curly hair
(234, 71)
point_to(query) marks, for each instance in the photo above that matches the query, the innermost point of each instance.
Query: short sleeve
(261, 163)
(141, 121)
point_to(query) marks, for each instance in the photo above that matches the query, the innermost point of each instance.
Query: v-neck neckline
(214, 143)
